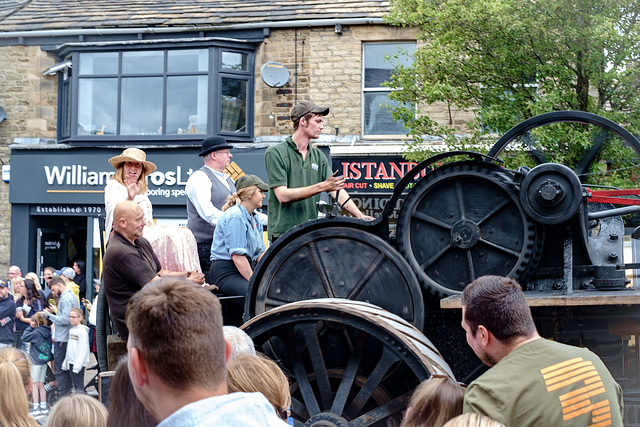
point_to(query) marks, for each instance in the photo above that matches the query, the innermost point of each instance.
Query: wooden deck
(577, 298)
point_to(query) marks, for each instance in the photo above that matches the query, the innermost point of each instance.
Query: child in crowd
(77, 357)
(257, 373)
(434, 402)
(38, 333)
(78, 410)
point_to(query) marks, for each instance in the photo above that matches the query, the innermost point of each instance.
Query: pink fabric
(175, 247)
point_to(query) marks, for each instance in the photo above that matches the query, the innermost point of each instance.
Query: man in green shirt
(298, 172)
(532, 381)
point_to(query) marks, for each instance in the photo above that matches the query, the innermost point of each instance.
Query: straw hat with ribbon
(133, 155)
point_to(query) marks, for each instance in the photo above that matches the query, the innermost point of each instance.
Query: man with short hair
(532, 381)
(207, 190)
(7, 314)
(187, 388)
(130, 262)
(67, 275)
(14, 271)
(298, 172)
(60, 318)
(47, 274)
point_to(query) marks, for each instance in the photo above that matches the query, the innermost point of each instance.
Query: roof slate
(30, 15)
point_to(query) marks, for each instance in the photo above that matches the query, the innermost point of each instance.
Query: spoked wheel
(336, 262)
(463, 221)
(350, 363)
(603, 141)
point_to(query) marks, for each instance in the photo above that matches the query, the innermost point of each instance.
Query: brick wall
(329, 72)
(30, 101)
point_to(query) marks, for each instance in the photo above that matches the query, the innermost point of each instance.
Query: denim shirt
(234, 235)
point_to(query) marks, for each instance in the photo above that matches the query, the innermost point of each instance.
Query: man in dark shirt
(130, 262)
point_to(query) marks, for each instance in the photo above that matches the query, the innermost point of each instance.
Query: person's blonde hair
(239, 196)
(434, 402)
(79, 313)
(14, 377)
(119, 176)
(15, 280)
(473, 420)
(259, 374)
(36, 280)
(78, 410)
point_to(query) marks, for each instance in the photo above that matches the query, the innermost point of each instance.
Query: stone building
(83, 80)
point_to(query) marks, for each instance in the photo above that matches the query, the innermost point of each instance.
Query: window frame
(214, 108)
(379, 89)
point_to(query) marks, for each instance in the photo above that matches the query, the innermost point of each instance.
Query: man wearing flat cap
(207, 190)
(298, 172)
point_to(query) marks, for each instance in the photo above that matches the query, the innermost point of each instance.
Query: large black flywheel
(349, 363)
(463, 221)
(323, 260)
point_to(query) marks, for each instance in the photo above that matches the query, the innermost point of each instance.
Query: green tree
(510, 60)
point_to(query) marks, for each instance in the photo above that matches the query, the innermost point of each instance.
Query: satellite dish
(274, 74)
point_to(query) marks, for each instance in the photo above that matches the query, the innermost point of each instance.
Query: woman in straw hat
(175, 247)
(128, 183)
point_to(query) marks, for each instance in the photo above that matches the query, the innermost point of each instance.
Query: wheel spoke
(298, 409)
(431, 220)
(350, 372)
(321, 269)
(304, 385)
(472, 271)
(382, 412)
(500, 247)
(387, 359)
(373, 269)
(460, 197)
(434, 258)
(310, 333)
(493, 211)
(583, 165)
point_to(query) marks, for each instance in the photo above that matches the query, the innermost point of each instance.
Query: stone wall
(30, 101)
(329, 72)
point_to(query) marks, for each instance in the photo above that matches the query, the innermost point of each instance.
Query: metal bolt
(613, 255)
(613, 236)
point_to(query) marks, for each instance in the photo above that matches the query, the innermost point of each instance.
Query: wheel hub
(465, 234)
(327, 419)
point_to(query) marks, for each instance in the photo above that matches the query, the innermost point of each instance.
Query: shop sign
(377, 174)
(66, 210)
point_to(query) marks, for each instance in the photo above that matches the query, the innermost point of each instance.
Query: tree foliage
(510, 60)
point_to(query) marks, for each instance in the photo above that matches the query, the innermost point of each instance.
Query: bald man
(130, 262)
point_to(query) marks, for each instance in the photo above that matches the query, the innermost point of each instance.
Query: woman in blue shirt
(237, 239)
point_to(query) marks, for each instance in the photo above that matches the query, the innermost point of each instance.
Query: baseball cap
(249, 180)
(306, 107)
(68, 271)
(4, 283)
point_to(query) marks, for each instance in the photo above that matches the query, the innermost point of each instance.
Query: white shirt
(198, 190)
(115, 193)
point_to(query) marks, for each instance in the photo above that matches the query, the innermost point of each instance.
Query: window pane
(141, 106)
(187, 104)
(377, 68)
(377, 118)
(180, 61)
(234, 61)
(234, 105)
(140, 62)
(97, 106)
(98, 63)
